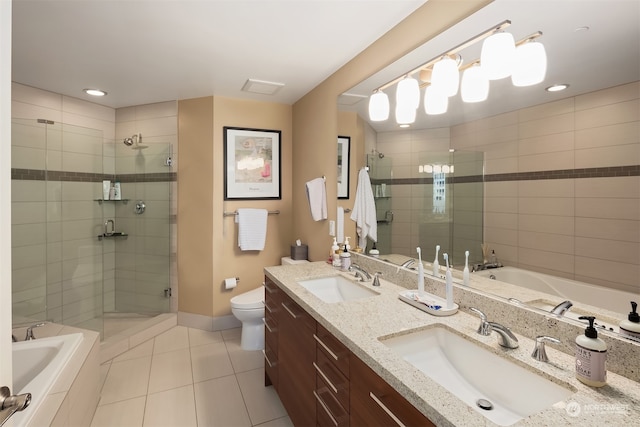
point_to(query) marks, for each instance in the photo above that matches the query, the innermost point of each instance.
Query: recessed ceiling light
(95, 92)
(404, 125)
(557, 88)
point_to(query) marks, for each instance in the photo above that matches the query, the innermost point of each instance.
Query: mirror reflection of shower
(135, 142)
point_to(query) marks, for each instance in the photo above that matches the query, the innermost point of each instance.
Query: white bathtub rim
(41, 385)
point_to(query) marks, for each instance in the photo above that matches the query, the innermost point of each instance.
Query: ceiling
(146, 51)
(605, 55)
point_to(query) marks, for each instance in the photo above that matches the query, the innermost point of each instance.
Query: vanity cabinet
(296, 355)
(318, 379)
(375, 403)
(271, 308)
(332, 380)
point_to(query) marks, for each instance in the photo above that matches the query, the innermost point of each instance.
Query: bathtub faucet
(30, 335)
(562, 308)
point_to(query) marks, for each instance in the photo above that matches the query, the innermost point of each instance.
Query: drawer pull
(269, 289)
(266, 325)
(385, 409)
(324, 406)
(328, 350)
(295, 316)
(269, 309)
(267, 359)
(335, 390)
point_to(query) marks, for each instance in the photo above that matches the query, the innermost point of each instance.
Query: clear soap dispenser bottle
(591, 356)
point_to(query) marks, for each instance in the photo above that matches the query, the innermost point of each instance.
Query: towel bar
(236, 213)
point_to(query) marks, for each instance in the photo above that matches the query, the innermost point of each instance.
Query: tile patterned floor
(188, 377)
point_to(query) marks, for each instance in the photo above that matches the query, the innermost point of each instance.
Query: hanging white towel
(364, 210)
(317, 195)
(340, 225)
(252, 229)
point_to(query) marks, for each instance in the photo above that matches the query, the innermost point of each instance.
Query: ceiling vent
(262, 87)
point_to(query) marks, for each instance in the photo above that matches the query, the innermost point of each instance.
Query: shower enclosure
(68, 266)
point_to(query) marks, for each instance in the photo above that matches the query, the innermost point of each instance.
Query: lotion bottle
(345, 258)
(374, 252)
(335, 253)
(591, 356)
(631, 328)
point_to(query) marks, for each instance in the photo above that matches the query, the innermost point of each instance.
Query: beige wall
(207, 242)
(315, 116)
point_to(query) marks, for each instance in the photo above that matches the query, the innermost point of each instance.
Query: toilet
(248, 308)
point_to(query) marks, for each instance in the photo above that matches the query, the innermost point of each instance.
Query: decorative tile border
(42, 175)
(604, 172)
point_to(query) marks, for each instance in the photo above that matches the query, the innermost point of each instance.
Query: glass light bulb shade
(405, 115)
(428, 168)
(408, 92)
(378, 107)
(435, 102)
(446, 76)
(475, 84)
(437, 169)
(530, 64)
(496, 57)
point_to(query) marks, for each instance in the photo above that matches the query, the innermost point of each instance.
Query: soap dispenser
(631, 328)
(335, 254)
(345, 257)
(591, 356)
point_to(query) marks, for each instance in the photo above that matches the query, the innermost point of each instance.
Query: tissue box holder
(299, 252)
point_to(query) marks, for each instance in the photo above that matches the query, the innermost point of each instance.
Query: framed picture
(343, 166)
(251, 164)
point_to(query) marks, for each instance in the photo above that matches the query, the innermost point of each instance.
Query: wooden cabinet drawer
(333, 349)
(330, 377)
(271, 334)
(329, 413)
(376, 403)
(271, 367)
(291, 311)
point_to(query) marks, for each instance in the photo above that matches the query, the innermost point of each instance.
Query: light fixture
(557, 87)
(379, 106)
(405, 115)
(530, 64)
(446, 76)
(497, 55)
(435, 102)
(408, 93)
(475, 84)
(94, 92)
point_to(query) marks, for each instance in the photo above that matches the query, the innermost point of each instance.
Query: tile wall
(561, 185)
(56, 222)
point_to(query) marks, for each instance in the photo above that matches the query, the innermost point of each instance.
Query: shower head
(380, 155)
(134, 142)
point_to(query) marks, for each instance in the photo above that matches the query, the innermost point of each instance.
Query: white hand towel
(340, 225)
(364, 210)
(317, 195)
(252, 229)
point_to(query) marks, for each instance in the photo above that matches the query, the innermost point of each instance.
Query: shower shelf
(125, 201)
(108, 236)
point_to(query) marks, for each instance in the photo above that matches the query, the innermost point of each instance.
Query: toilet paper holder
(231, 282)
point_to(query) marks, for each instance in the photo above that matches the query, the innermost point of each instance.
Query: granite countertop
(359, 324)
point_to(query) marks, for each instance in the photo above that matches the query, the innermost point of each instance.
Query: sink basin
(472, 372)
(336, 289)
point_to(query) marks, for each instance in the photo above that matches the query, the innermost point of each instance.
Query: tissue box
(299, 252)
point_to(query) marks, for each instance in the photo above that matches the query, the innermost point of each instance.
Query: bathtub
(613, 300)
(36, 366)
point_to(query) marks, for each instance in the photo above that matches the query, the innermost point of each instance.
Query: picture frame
(344, 143)
(252, 164)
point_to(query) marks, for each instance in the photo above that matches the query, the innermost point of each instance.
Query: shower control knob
(140, 207)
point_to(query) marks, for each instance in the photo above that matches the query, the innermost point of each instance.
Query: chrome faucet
(539, 352)
(30, 335)
(408, 263)
(506, 338)
(562, 308)
(360, 272)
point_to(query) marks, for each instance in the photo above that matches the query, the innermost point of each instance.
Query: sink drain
(484, 404)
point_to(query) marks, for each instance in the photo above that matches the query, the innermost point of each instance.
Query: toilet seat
(249, 300)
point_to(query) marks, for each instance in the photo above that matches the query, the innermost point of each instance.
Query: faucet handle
(376, 281)
(484, 328)
(539, 352)
(30, 335)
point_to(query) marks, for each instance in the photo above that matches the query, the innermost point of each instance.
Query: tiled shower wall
(562, 190)
(56, 240)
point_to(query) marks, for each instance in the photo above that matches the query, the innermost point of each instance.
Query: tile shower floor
(188, 377)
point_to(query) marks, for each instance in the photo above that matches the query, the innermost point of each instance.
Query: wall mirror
(591, 46)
